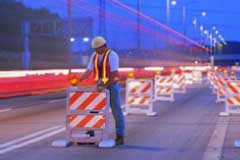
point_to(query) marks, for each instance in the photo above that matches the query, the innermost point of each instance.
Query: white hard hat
(98, 42)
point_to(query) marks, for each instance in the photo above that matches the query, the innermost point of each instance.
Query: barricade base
(61, 143)
(179, 90)
(224, 114)
(220, 99)
(197, 82)
(84, 140)
(151, 114)
(164, 98)
(214, 91)
(107, 143)
(139, 111)
(237, 143)
(82, 136)
(233, 109)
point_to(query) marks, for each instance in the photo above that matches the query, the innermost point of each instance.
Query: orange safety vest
(102, 70)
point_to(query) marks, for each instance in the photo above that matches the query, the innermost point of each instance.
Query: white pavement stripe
(76, 121)
(215, 145)
(96, 101)
(5, 110)
(80, 100)
(31, 141)
(28, 136)
(57, 100)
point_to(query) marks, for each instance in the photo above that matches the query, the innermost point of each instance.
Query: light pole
(138, 27)
(207, 39)
(201, 33)
(195, 27)
(26, 54)
(168, 12)
(168, 3)
(102, 19)
(173, 2)
(184, 15)
(184, 10)
(69, 15)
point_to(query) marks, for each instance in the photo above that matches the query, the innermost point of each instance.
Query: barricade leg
(150, 111)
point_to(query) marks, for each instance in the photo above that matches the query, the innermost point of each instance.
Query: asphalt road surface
(182, 130)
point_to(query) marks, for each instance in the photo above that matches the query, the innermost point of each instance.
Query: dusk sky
(224, 14)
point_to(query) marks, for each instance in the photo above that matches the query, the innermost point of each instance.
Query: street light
(205, 32)
(72, 39)
(173, 2)
(85, 39)
(195, 27)
(204, 14)
(210, 36)
(184, 15)
(201, 32)
(167, 11)
(195, 21)
(209, 40)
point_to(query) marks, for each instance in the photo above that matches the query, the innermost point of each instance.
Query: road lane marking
(5, 110)
(215, 145)
(31, 141)
(29, 136)
(57, 100)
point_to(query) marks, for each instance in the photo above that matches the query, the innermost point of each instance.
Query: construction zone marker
(139, 95)
(232, 102)
(87, 111)
(163, 88)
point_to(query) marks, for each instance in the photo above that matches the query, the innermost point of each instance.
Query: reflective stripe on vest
(104, 67)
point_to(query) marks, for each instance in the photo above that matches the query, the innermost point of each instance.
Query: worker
(104, 63)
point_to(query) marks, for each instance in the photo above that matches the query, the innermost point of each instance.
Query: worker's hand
(100, 88)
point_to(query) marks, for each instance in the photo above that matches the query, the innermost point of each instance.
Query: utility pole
(138, 27)
(184, 11)
(26, 53)
(102, 18)
(168, 12)
(69, 21)
(69, 31)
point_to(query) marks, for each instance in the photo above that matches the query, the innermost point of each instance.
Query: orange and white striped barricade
(210, 76)
(221, 90)
(232, 103)
(214, 82)
(179, 83)
(197, 76)
(87, 110)
(139, 95)
(188, 78)
(232, 77)
(163, 88)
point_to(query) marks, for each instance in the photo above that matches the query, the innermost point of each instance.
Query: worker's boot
(119, 140)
